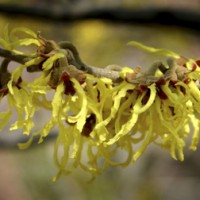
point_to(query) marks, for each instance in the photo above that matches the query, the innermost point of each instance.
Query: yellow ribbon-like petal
(165, 52)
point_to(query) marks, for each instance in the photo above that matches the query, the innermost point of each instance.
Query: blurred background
(26, 175)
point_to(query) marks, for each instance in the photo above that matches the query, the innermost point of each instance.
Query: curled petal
(80, 117)
(48, 64)
(166, 52)
(136, 110)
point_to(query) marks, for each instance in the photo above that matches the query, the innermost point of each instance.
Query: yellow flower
(99, 119)
(13, 87)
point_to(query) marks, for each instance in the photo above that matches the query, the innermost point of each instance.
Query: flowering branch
(74, 57)
(100, 112)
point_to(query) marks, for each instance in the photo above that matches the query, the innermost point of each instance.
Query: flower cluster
(99, 118)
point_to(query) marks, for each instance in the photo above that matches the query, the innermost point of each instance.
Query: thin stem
(13, 56)
(98, 72)
(103, 72)
(4, 65)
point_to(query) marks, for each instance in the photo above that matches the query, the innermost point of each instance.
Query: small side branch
(13, 56)
(98, 72)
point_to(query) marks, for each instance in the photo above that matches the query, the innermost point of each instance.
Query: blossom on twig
(98, 117)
